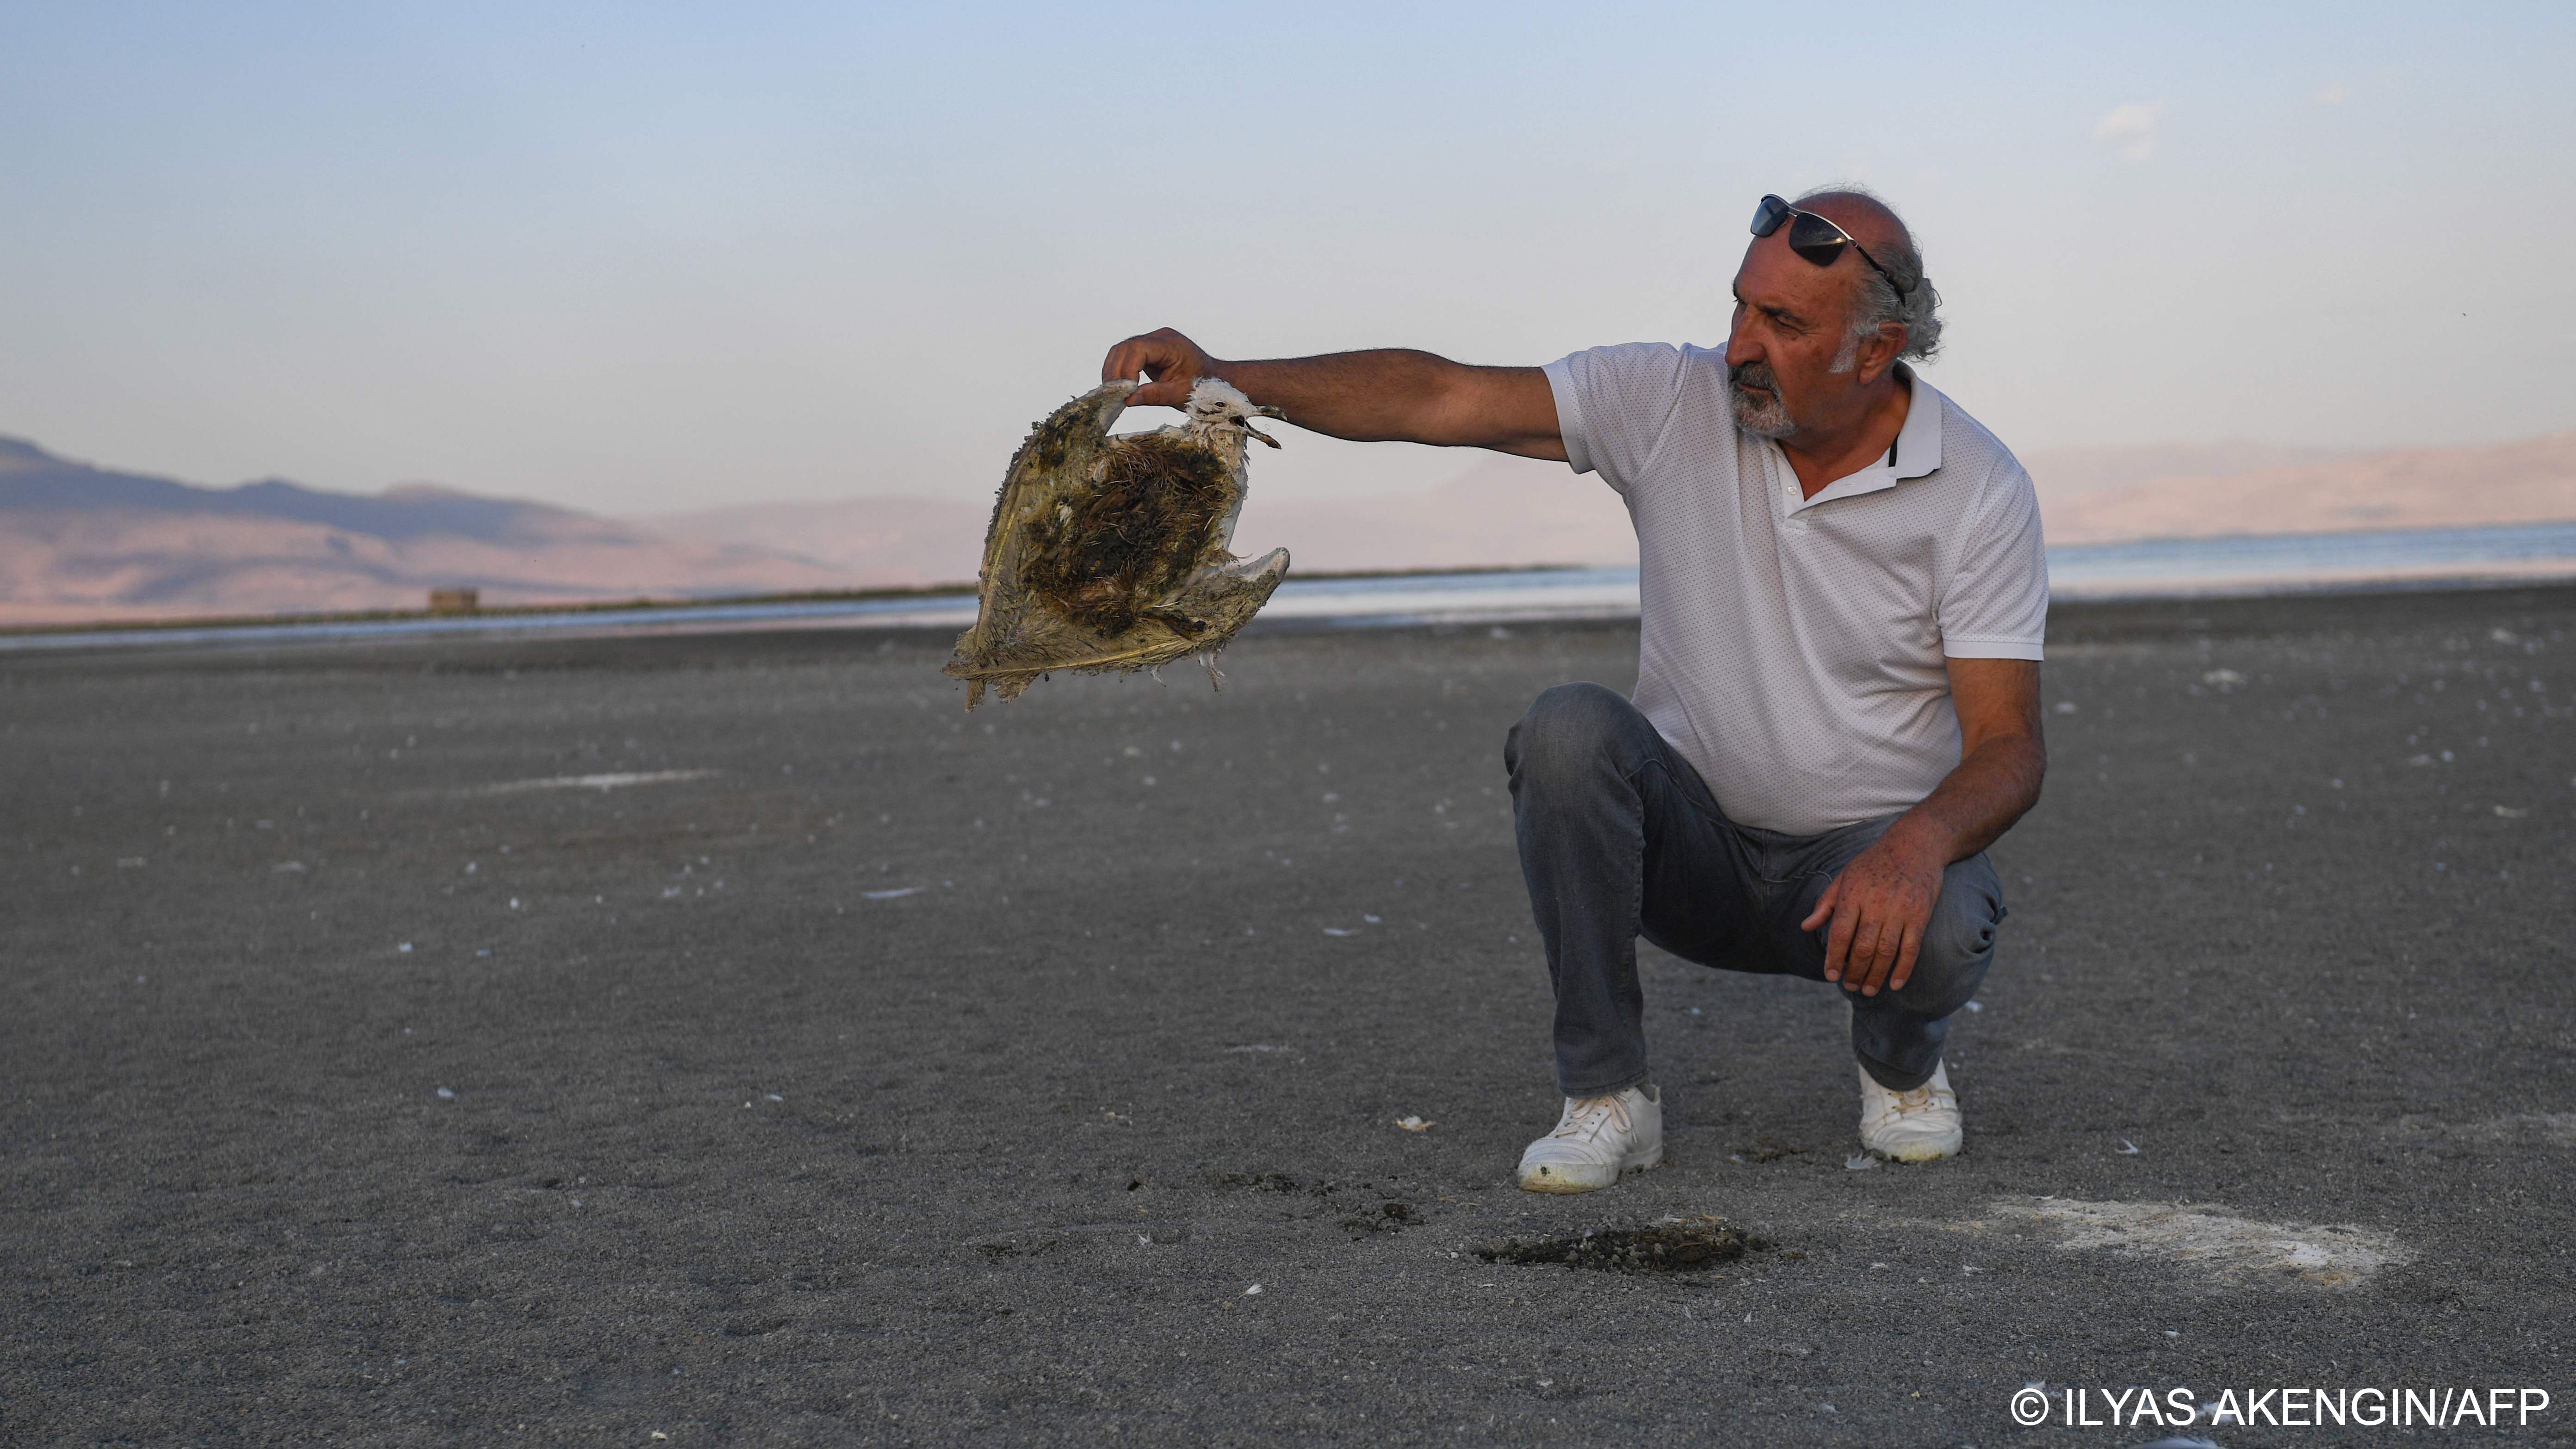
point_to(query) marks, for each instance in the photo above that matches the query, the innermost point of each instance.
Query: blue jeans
(1619, 838)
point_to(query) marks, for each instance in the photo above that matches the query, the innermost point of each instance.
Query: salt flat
(859, 1070)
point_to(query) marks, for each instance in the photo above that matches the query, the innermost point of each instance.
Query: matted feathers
(1110, 552)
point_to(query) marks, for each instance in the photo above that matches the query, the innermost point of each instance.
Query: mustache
(1754, 374)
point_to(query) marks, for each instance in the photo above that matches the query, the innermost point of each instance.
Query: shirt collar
(1917, 450)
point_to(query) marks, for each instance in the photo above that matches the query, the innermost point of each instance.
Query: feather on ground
(1111, 552)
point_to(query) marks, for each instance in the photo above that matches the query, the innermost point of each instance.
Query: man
(1837, 703)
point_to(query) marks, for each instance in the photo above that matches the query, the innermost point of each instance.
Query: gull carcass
(1110, 552)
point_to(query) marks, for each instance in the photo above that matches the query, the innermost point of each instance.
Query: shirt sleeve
(1996, 606)
(1612, 405)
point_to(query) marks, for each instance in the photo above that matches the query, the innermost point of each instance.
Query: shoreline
(951, 608)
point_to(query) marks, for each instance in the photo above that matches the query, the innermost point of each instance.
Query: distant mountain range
(79, 542)
(2532, 481)
(1517, 511)
(1499, 511)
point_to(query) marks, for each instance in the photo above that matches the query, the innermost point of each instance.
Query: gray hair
(1877, 304)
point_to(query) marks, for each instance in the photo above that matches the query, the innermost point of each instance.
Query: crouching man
(1837, 702)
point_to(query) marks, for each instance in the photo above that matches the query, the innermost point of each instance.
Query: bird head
(1215, 406)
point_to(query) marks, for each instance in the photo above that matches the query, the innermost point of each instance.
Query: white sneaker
(1596, 1142)
(1917, 1126)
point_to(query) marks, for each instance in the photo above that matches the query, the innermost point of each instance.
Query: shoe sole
(1912, 1157)
(1566, 1186)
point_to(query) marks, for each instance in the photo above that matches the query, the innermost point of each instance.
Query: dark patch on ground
(1278, 1182)
(1661, 1248)
(1390, 1217)
(1768, 1149)
(1375, 1213)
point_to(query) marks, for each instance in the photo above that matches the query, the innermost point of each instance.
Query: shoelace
(1912, 1100)
(1586, 1116)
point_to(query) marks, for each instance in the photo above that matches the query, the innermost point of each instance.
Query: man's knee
(1959, 940)
(1567, 726)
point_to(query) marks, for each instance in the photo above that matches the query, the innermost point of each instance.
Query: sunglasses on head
(1813, 237)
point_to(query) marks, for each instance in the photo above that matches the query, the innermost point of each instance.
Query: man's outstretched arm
(1382, 396)
(1881, 902)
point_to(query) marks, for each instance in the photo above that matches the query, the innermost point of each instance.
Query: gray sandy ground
(743, 1148)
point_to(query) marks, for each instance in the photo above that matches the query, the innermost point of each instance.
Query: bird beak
(1267, 411)
(1250, 431)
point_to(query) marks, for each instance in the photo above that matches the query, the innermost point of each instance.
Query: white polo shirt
(1792, 648)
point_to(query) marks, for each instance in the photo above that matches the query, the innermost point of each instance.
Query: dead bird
(1110, 552)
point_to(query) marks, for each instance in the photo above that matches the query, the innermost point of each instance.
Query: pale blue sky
(638, 257)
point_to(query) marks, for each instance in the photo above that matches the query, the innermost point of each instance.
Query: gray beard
(1771, 419)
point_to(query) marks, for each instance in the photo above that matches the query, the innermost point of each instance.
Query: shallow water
(2154, 568)
(2292, 561)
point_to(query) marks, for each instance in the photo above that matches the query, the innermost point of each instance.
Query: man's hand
(1882, 901)
(1171, 361)
(1879, 907)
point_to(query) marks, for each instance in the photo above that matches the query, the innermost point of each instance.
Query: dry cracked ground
(728, 1040)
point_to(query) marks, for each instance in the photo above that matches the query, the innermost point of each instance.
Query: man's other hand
(1883, 900)
(1879, 907)
(1170, 361)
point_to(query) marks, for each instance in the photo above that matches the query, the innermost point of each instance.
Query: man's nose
(1741, 349)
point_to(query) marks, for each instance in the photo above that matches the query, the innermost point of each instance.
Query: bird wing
(1109, 553)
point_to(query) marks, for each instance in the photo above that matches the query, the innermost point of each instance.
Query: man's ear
(1880, 352)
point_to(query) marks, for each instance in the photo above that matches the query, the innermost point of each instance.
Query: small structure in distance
(455, 601)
